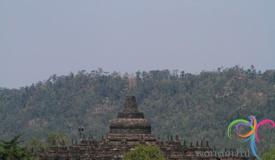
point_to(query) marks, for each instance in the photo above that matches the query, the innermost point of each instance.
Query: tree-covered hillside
(194, 106)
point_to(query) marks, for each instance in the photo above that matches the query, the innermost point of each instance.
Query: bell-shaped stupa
(130, 120)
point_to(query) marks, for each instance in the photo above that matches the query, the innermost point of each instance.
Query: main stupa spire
(130, 105)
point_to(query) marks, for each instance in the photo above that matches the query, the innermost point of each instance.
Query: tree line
(194, 106)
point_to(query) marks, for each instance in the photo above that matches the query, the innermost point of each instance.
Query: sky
(41, 38)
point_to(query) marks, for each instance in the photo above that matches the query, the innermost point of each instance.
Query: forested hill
(192, 106)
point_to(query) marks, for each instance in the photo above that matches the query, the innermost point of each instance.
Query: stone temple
(129, 129)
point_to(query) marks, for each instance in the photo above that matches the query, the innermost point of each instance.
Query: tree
(57, 139)
(144, 152)
(36, 147)
(10, 150)
(269, 155)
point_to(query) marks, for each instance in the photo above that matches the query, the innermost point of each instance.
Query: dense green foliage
(143, 152)
(11, 150)
(37, 146)
(269, 155)
(194, 106)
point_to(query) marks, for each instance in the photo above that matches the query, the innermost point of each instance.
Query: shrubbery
(144, 152)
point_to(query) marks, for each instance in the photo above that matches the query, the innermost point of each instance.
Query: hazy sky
(39, 38)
